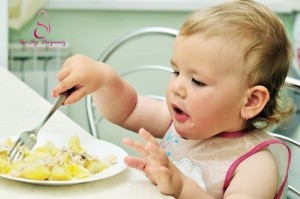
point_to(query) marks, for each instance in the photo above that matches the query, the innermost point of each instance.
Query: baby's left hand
(155, 164)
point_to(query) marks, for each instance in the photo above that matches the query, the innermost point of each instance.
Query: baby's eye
(176, 73)
(198, 83)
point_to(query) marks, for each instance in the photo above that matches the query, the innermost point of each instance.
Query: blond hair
(267, 51)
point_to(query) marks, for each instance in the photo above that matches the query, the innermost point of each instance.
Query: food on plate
(48, 162)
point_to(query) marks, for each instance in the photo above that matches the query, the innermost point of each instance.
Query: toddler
(230, 62)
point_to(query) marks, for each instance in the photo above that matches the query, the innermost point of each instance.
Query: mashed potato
(49, 162)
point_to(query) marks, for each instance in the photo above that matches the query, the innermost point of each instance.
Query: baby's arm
(115, 99)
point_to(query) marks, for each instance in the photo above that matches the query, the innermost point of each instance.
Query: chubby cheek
(200, 108)
(168, 98)
(207, 119)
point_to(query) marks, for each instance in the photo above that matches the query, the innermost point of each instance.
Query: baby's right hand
(81, 73)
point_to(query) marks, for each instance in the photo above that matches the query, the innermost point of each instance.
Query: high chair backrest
(294, 174)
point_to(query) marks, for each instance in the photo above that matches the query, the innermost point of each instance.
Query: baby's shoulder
(265, 159)
(255, 171)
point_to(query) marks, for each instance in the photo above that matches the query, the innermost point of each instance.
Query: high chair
(294, 185)
(151, 73)
(294, 174)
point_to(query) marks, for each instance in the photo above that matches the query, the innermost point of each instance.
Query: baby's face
(208, 87)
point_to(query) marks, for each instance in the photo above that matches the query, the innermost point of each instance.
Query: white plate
(93, 146)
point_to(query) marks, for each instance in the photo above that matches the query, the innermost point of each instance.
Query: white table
(21, 109)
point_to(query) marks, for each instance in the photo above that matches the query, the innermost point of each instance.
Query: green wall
(90, 32)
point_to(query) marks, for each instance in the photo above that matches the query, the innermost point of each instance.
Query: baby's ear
(257, 98)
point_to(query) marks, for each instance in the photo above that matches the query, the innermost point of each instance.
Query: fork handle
(58, 102)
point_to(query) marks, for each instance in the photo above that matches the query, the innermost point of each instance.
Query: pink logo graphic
(43, 27)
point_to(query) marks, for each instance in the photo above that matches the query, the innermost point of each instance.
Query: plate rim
(109, 172)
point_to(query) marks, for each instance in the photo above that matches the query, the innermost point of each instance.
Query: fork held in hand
(29, 138)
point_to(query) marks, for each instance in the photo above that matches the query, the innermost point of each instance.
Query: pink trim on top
(254, 150)
(231, 134)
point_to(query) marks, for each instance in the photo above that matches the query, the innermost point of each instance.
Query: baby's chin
(186, 130)
(183, 133)
(191, 133)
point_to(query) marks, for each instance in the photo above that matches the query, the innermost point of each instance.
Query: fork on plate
(29, 138)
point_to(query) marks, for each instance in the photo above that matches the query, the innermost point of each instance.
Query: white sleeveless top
(212, 162)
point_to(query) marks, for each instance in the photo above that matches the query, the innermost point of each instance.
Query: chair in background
(294, 180)
(294, 174)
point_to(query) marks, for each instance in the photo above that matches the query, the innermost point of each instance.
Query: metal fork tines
(28, 139)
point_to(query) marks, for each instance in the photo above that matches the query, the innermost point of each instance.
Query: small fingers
(70, 76)
(151, 151)
(64, 72)
(148, 137)
(157, 155)
(69, 80)
(136, 163)
(75, 96)
(65, 82)
(136, 146)
(155, 163)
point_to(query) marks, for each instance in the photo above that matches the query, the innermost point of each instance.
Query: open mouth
(178, 110)
(180, 115)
